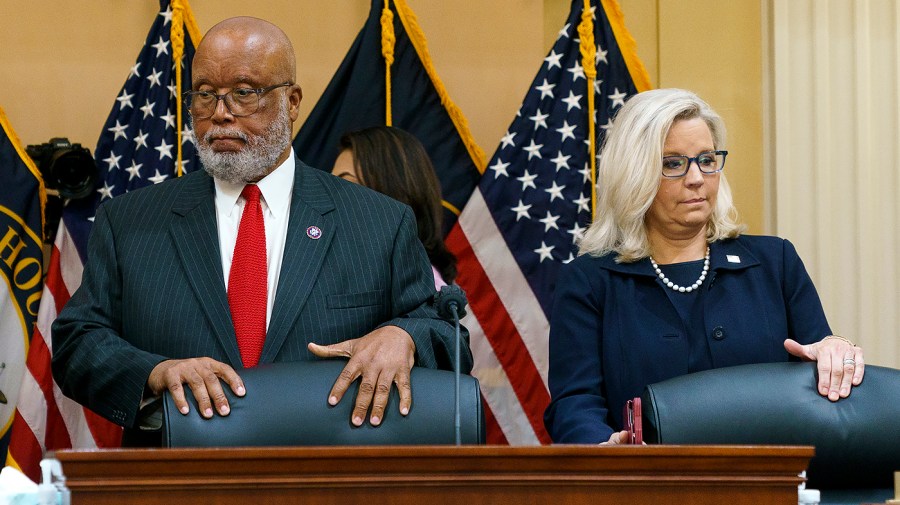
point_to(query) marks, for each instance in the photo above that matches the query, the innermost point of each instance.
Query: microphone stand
(456, 423)
(450, 303)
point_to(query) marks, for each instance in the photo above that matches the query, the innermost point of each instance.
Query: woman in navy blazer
(665, 284)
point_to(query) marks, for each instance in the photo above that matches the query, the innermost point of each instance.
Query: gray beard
(255, 160)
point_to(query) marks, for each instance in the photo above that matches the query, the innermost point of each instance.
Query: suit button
(718, 333)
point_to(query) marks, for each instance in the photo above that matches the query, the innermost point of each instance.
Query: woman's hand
(840, 364)
(617, 438)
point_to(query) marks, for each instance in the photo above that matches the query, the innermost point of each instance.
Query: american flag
(522, 223)
(137, 147)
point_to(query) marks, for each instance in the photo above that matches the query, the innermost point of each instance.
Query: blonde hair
(629, 174)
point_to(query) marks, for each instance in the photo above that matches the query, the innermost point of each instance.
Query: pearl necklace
(676, 287)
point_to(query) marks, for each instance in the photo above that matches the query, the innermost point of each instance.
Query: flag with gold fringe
(388, 78)
(146, 139)
(534, 201)
(22, 201)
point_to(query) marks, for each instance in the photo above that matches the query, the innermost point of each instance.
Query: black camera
(65, 167)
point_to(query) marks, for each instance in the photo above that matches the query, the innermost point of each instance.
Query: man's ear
(295, 97)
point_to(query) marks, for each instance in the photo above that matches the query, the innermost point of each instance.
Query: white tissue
(16, 488)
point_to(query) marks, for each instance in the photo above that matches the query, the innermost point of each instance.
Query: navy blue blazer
(153, 287)
(614, 329)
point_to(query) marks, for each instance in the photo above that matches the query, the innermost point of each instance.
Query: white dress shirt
(276, 189)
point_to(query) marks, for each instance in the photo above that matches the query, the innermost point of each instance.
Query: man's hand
(202, 376)
(383, 357)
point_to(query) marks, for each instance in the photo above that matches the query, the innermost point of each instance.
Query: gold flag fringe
(182, 16)
(387, 50)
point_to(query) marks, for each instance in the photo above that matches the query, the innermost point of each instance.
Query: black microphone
(450, 303)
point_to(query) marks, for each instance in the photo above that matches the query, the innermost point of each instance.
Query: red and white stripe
(45, 420)
(508, 329)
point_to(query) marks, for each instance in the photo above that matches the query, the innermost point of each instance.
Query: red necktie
(248, 280)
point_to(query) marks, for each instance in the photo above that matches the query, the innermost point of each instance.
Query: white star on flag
(540, 119)
(499, 168)
(573, 101)
(553, 60)
(118, 130)
(140, 140)
(157, 177)
(147, 109)
(125, 99)
(162, 47)
(165, 150)
(567, 131)
(555, 191)
(546, 89)
(507, 140)
(527, 180)
(561, 161)
(112, 162)
(521, 210)
(533, 150)
(545, 251)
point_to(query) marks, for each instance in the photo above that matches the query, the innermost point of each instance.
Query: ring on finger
(849, 361)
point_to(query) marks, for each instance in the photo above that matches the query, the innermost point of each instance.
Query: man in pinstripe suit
(347, 276)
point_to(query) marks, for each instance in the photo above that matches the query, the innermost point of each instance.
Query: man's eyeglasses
(709, 162)
(240, 102)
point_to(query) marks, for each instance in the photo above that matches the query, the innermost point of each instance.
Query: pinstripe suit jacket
(153, 287)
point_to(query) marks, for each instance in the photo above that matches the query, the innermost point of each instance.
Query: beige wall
(715, 49)
(62, 63)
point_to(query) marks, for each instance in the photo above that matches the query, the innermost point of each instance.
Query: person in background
(255, 259)
(393, 162)
(666, 284)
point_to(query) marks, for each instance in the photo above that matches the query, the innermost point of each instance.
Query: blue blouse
(615, 328)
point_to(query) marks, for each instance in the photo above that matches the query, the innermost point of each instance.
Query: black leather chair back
(857, 439)
(286, 405)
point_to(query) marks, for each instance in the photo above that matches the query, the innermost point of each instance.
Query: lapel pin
(314, 232)
(732, 258)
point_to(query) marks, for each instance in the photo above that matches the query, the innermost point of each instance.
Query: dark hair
(393, 162)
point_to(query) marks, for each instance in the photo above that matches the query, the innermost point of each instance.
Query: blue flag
(21, 264)
(356, 99)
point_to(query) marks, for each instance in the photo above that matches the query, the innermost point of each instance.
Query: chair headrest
(286, 404)
(857, 439)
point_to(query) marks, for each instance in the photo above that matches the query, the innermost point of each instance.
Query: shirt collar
(276, 190)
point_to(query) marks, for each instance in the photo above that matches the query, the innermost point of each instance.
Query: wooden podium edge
(122, 469)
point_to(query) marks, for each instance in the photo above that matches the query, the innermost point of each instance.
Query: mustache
(219, 131)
